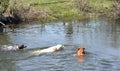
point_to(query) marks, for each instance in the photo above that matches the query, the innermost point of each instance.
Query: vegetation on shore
(47, 10)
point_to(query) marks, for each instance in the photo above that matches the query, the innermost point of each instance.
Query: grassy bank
(47, 10)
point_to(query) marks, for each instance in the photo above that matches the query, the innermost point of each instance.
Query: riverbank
(49, 10)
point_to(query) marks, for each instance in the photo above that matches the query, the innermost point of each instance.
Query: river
(100, 37)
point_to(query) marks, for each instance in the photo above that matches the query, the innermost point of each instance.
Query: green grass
(101, 5)
(63, 9)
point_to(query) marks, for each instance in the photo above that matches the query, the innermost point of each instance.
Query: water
(99, 37)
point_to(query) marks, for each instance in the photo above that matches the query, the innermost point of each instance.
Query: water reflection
(4, 39)
(81, 58)
(7, 65)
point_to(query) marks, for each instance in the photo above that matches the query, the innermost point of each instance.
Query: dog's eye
(83, 52)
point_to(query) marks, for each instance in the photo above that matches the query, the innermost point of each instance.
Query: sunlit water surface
(100, 38)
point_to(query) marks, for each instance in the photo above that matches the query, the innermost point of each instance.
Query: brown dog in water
(80, 51)
(81, 54)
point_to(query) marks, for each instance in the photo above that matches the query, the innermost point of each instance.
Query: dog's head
(59, 47)
(22, 46)
(80, 51)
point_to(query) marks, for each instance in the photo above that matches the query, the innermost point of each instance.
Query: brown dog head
(80, 51)
(22, 46)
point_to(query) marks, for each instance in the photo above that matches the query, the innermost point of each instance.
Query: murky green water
(100, 37)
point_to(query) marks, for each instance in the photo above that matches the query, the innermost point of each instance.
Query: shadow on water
(100, 37)
(4, 39)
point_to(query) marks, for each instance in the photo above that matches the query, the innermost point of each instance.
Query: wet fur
(80, 51)
(48, 50)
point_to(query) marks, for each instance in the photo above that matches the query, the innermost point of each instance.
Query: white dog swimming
(12, 48)
(48, 50)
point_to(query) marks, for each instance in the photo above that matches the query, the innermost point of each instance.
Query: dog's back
(49, 50)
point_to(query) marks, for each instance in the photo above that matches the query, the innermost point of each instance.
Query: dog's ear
(78, 49)
(84, 48)
(25, 46)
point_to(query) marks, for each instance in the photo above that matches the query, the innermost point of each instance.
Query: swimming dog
(49, 50)
(80, 51)
(80, 54)
(13, 48)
